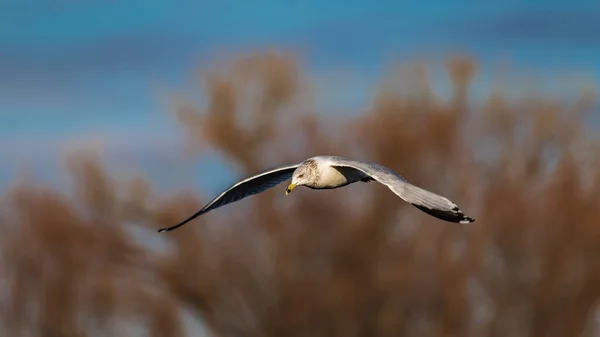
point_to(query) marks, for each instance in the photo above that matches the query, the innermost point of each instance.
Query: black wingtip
(167, 229)
(456, 215)
(465, 219)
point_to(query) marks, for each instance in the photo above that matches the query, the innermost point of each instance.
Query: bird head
(303, 175)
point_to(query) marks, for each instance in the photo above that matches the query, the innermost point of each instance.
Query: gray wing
(242, 189)
(428, 202)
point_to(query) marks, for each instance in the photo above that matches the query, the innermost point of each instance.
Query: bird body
(330, 172)
(320, 173)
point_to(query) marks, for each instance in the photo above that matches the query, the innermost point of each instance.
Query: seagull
(330, 172)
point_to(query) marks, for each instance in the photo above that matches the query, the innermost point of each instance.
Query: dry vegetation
(326, 263)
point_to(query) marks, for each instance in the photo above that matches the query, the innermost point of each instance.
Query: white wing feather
(242, 189)
(428, 202)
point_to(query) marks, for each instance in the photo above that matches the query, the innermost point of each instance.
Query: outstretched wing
(428, 202)
(242, 189)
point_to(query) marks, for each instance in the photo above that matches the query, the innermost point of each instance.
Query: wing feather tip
(466, 220)
(455, 215)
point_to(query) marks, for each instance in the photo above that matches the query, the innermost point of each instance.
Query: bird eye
(301, 175)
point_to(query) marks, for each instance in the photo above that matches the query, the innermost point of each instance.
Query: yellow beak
(290, 188)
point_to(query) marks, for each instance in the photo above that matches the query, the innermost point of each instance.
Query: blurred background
(121, 117)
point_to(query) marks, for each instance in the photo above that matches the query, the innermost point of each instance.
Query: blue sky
(89, 71)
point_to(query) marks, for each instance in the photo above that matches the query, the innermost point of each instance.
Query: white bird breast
(331, 177)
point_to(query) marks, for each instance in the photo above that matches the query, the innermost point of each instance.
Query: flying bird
(329, 172)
